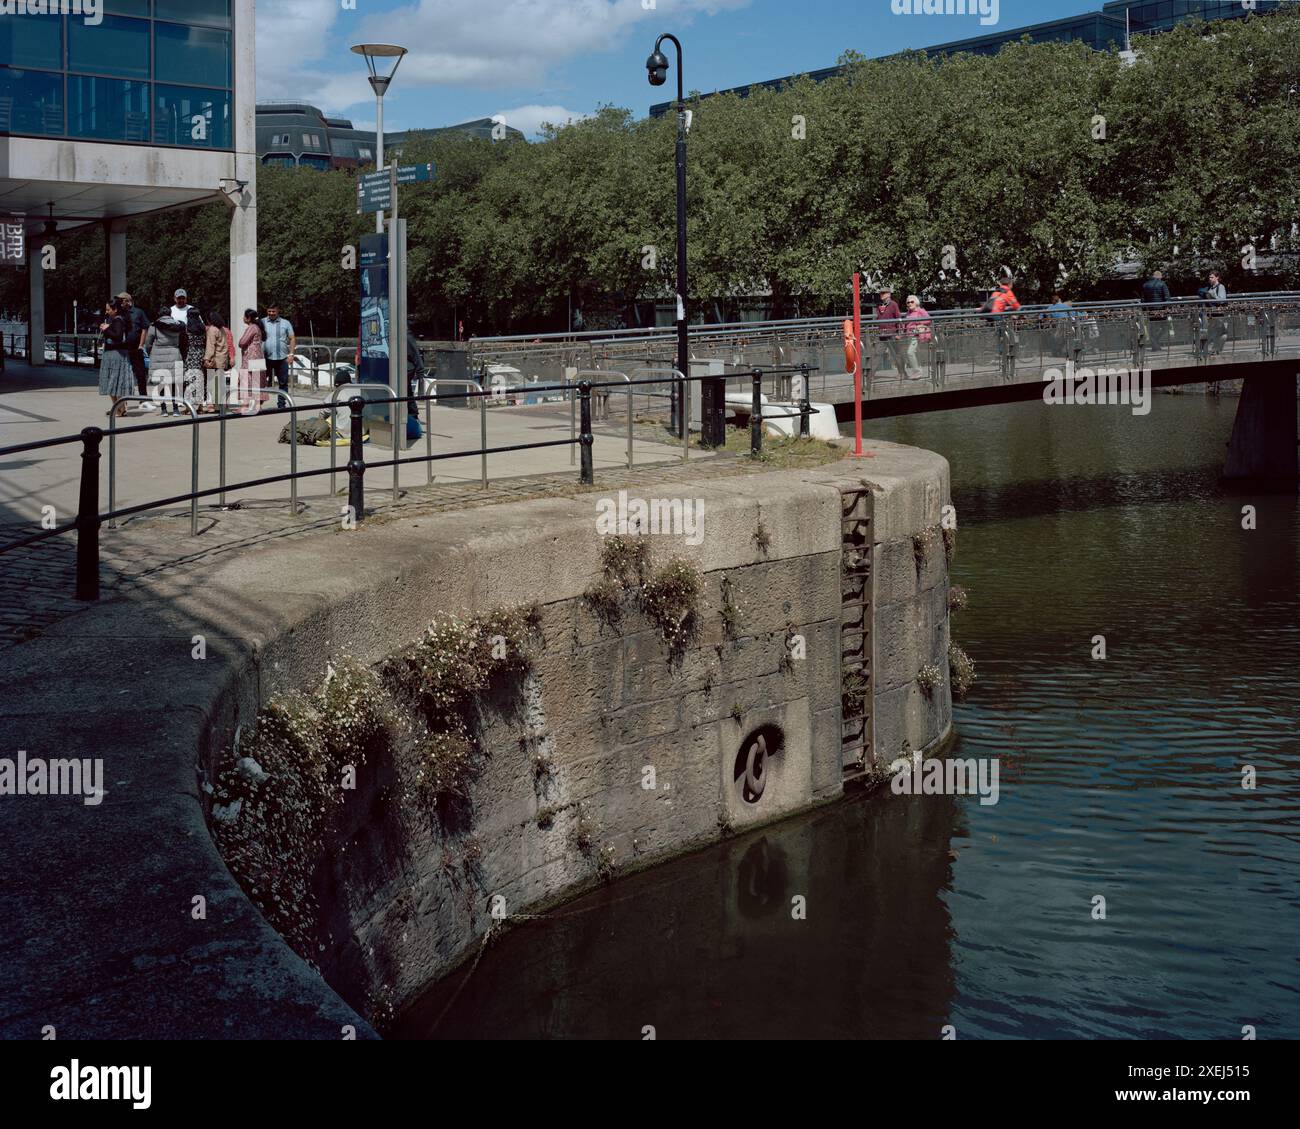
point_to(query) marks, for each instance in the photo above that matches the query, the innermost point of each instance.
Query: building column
(243, 216)
(35, 301)
(115, 254)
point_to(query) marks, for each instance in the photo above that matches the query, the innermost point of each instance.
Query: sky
(555, 60)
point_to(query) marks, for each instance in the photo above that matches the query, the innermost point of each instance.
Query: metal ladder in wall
(855, 634)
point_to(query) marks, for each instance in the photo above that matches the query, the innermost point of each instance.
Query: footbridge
(1087, 353)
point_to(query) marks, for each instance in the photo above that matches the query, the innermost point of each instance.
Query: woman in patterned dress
(116, 377)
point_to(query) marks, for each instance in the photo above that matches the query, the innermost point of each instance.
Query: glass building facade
(151, 72)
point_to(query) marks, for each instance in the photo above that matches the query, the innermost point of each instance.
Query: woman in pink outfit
(252, 372)
(918, 334)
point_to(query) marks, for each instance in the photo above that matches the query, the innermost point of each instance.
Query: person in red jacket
(1004, 298)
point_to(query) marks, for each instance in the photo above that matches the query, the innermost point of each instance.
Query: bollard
(805, 407)
(586, 439)
(88, 517)
(756, 414)
(356, 465)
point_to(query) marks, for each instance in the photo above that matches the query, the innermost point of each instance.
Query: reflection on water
(1120, 778)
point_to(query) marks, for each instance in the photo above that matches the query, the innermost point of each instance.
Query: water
(1119, 778)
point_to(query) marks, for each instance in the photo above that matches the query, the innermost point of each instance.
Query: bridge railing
(966, 344)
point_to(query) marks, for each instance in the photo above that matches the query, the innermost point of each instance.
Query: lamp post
(657, 71)
(373, 52)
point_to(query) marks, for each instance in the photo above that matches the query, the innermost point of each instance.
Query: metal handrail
(686, 401)
(194, 457)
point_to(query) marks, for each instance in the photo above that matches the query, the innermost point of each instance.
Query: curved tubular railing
(686, 397)
(112, 457)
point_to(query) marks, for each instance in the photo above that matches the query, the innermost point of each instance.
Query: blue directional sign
(375, 190)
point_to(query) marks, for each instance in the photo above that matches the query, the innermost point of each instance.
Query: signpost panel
(13, 241)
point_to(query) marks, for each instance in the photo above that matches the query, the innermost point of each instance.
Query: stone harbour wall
(614, 751)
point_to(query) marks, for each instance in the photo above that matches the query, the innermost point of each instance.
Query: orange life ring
(850, 347)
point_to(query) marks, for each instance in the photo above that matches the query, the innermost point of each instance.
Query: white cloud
(530, 119)
(517, 42)
(292, 35)
(498, 44)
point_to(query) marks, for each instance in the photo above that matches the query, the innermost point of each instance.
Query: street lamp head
(657, 68)
(373, 53)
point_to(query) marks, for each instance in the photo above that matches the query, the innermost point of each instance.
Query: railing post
(586, 439)
(194, 472)
(88, 517)
(805, 408)
(756, 413)
(356, 464)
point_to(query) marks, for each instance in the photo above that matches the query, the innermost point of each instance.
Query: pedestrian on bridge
(1155, 291)
(918, 334)
(890, 319)
(1218, 327)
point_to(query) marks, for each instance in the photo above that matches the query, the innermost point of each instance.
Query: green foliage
(994, 156)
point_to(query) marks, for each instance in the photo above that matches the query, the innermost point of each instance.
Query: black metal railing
(90, 518)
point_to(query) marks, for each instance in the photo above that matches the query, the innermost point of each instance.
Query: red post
(857, 368)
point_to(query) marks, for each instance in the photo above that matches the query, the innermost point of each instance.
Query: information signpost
(377, 192)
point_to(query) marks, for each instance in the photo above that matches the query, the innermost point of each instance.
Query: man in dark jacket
(414, 371)
(1155, 291)
(137, 325)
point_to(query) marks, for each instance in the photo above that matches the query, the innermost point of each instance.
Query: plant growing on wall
(928, 679)
(274, 798)
(961, 671)
(277, 796)
(668, 596)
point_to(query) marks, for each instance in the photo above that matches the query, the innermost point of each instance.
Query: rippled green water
(1119, 778)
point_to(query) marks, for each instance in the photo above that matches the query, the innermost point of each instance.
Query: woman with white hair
(918, 334)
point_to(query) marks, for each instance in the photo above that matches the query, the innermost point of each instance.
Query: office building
(140, 107)
(297, 134)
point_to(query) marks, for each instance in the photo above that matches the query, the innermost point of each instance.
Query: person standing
(137, 325)
(192, 342)
(279, 345)
(918, 334)
(1155, 291)
(888, 317)
(1059, 318)
(116, 378)
(1218, 326)
(252, 372)
(218, 359)
(166, 360)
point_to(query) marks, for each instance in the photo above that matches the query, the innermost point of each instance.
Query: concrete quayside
(586, 704)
